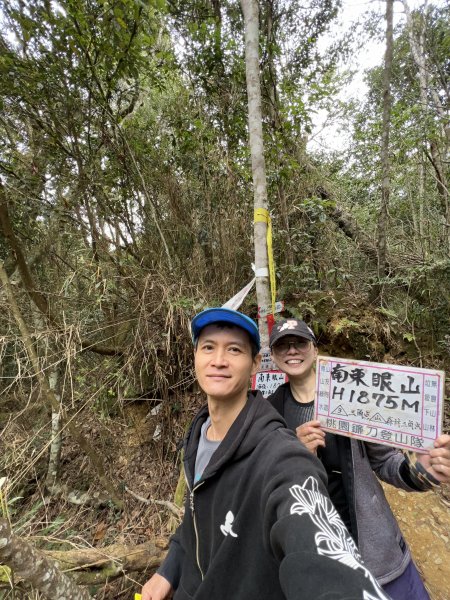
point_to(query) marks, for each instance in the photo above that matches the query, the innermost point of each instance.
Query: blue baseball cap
(210, 316)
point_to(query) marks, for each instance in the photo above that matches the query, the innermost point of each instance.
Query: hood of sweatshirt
(257, 419)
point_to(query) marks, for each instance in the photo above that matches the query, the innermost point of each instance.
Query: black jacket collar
(255, 420)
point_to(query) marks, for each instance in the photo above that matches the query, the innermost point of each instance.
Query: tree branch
(50, 397)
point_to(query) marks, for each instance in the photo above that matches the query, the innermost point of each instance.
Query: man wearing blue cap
(258, 522)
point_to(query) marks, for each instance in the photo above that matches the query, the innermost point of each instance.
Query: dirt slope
(425, 523)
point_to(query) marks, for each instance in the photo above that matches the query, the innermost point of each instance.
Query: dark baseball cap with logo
(291, 327)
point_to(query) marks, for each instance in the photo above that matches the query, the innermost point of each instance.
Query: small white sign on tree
(389, 404)
(267, 382)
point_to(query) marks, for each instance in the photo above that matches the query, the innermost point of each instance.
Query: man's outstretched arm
(318, 558)
(163, 583)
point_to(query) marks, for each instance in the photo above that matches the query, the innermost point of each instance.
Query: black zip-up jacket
(259, 523)
(372, 524)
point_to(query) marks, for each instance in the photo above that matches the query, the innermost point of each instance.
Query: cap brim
(300, 334)
(224, 315)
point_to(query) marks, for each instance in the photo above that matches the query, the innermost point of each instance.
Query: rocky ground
(425, 522)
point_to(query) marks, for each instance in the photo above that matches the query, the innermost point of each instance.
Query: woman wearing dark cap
(351, 466)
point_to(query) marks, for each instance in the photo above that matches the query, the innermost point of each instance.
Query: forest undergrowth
(126, 206)
(141, 446)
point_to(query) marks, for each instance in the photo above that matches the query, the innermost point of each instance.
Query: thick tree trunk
(38, 570)
(383, 265)
(250, 10)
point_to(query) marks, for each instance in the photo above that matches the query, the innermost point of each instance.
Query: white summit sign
(395, 405)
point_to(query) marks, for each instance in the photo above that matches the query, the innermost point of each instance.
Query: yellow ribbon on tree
(262, 216)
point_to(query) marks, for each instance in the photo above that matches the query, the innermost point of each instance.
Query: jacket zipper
(361, 448)
(191, 505)
(353, 503)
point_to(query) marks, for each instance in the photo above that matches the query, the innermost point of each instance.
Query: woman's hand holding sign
(311, 435)
(437, 460)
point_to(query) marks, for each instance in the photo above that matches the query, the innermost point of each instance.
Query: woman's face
(295, 356)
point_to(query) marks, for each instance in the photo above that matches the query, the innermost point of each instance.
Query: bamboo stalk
(49, 394)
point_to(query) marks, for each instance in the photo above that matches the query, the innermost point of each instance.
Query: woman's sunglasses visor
(299, 345)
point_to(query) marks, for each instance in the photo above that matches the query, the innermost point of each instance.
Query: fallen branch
(47, 570)
(176, 510)
(95, 499)
(89, 566)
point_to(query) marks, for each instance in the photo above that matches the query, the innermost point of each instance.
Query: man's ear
(256, 363)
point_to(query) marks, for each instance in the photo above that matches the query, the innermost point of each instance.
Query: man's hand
(157, 588)
(437, 461)
(311, 435)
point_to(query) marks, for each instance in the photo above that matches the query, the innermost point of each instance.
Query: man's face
(294, 355)
(223, 362)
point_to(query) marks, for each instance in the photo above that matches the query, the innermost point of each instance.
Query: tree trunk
(383, 265)
(50, 397)
(149, 202)
(23, 268)
(427, 88)
(351, 229)
(276, 124)
(54, 458)
(424, 243)
(418, 52)
(441, 180)
(53, 376)
(38, 570)
(250, 10)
